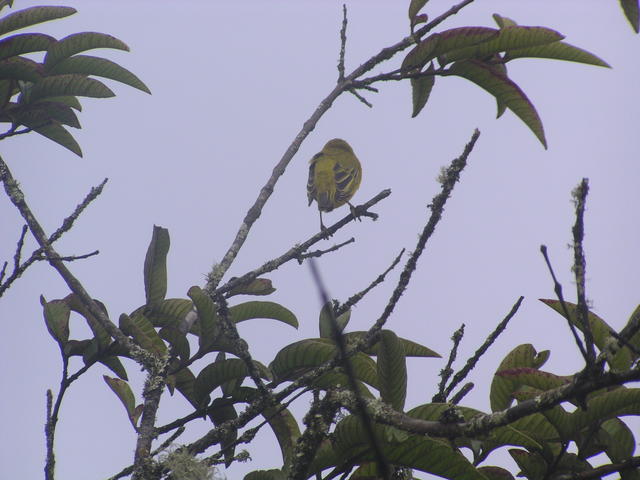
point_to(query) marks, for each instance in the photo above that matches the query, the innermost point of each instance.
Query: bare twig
(579, 268)
(343, 43)
(631, 463)
(319, 253)
(457, 397)
(557, 288)
(354, 299)
(13, 132)
(215, 276)
(447, 371)
(355, 93)
(462, 374)
(383, 466)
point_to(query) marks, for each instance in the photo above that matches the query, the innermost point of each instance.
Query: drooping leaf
(24, 43)
(167, 313)
(621, 401)
(32, 16)
(506, 91)
(326, 319)
(155, 266)
(285, 428)
(421, 90)
(56, 132)
(533, 377)
(557, 51)
(414, 8)
(101, 336)
(392, 370)
(207, 317)
(115, 365)
(255, 309)
(411, 349)
(125, 395)
(273, 474)
(44, 113)
(184, 381)
(599, 329)
(56, 317)
(508, 38)
(142, 331)
(631, 10)
(69, 101)
(19, 68)
(80, 42)
(99, 67)
(220, 411)
(66, 85)
(620, 443)
(496, 473)
(177, 340)
(215, 374)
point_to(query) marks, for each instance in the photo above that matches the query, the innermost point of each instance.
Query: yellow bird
(334, 176)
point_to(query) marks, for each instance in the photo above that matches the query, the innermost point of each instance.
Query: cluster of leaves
(481, 55)
(42, 96)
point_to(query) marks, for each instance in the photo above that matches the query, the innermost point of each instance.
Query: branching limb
(12, 132)
(296, 251)
(598, 472)
(557, 288)
(462, 374)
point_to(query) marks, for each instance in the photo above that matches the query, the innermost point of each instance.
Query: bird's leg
(354, 212)
(324, 229)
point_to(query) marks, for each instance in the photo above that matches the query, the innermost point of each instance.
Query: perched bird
(334, 176)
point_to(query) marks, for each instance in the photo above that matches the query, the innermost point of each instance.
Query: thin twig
(579, 268)
(447, 371)
(557, 288)
(167, 443)
(457, 397)
(354, 299)
(343, 43)
(631, 463)
(355, 93)
(462, 374)
(13, 132)
(319, 253)
(383, 466)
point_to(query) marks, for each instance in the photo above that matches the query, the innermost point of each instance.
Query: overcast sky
(232, 84)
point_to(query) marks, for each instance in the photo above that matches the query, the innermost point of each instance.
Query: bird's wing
(311, 187)
(347, 182)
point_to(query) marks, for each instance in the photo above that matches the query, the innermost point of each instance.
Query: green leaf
(56, 132)
(534, 378)
(56, 317)
(496, 473)
(32, 16)
(273, 474)
(256, 309)
(68, 84)
(622, 401)
(19, 68)
(414, 8)
(326, 319)
(220, 411)
(215, 374)
(258, 286)
(99, 67)
(142, 331)
(184, 381)
(502, 388)
(392, 370)
(69, 101)
(80, 42)
(632, 12)
(440, 43)
(285, 428)
(599, 329)
(508, 38)
(101, 336)
(207, 317)
(24, 43)
(177, 340)
(44, 113)
(167, 313)
(557, 51)
(115, 365)
(500, 86)
(155, 266)
(411, 349)
(421, 90)
(124, 393)
(503, 21)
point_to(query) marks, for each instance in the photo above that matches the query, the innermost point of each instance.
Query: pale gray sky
(232, 84)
